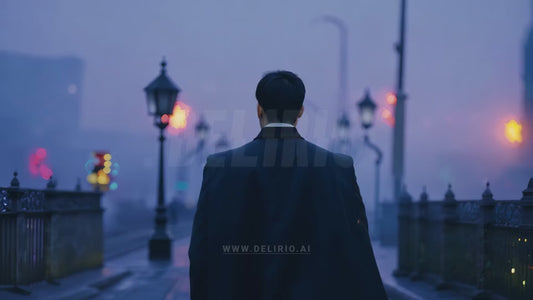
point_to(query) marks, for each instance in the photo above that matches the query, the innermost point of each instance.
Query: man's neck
(278, 125)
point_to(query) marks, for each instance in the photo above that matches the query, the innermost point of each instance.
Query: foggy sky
(463, 70)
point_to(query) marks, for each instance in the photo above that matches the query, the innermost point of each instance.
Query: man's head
(280, 96)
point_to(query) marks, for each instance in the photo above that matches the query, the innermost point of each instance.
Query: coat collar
(278, 133)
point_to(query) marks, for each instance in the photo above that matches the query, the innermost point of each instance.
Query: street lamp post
(343, 58)
(343, 127)
(222, 143)
(343, 122)
(367, 112)
(161, 95)
(201, 130)
(398, 148)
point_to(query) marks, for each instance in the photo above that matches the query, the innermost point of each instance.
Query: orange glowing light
(391, 98)
(178, 119)
(513, 132)
(388, 117)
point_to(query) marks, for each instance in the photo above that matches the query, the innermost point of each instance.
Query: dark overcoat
(281, 218)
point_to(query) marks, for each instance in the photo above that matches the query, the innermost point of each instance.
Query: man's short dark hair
(281, 95)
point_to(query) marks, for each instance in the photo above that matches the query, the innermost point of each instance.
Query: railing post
(420, 251)
(20, 238)
(526, 233)
(449, 219)
(15, 183)
(486, 220)
(527, 206)
(405, 216)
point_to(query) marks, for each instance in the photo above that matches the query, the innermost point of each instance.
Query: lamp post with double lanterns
(367, 112)
(161, 96)
(222, 143)
(201, 129)
(343, 127)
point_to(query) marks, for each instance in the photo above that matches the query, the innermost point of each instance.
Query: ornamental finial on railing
(78, 185)
(405, 197)
(449, 196)
(487, 194)
(15, 183)
(51, 185)
(424, 196)
(528, 192)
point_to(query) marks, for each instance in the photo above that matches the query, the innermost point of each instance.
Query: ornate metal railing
(485, 244)
(23, 227)
(39, 230)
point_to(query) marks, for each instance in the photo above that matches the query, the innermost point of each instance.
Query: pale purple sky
(463, 72)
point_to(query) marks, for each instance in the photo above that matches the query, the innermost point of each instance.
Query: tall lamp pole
(398, 149)
(343, 122)
(367, 112)
(343, 58)
(161, 95)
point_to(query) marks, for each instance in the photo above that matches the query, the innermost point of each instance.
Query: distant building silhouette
(40, 95)
(40, 107)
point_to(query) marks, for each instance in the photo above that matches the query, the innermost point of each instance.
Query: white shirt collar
(279, 125)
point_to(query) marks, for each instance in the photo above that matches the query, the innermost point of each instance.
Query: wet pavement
(125, 275)
(152, 280)
(403, 287)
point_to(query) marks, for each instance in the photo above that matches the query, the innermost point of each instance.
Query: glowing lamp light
(164, 119)
(101, 171)
(513, 270)
(388, 117)
(391, 98)
(92, 178)
(103, 179)
(513, 132)
(180, 114)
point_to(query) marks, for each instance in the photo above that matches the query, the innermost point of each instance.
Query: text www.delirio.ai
(266, 249)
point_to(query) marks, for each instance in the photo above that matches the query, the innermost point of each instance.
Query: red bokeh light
(164, 119)
(37, 164)
(40, 153)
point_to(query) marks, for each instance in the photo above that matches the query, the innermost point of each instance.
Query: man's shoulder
(223, 158)
(338, 157)
(245, 154)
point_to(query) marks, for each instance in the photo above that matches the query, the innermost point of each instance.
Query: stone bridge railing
(483, 247)
(48, 234)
